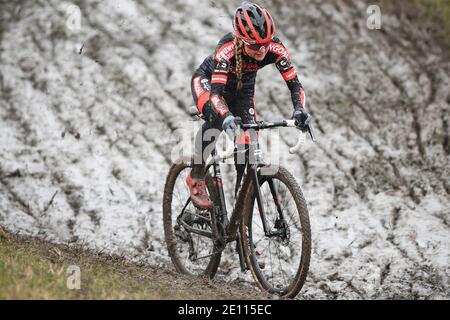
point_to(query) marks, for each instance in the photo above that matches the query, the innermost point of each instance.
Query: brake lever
(311, 133)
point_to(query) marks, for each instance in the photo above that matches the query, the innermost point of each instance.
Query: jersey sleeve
(289, 74)
(219, 78)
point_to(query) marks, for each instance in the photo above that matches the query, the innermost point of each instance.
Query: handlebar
(283, 123)
(261, 125)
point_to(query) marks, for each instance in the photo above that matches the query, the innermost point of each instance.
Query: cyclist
(224, 84)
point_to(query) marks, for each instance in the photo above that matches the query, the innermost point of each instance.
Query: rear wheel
(279, 261)
(191, 253)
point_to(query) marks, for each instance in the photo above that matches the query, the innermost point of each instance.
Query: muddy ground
(88, 116)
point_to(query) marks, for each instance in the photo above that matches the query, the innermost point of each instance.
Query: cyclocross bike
(269, 221)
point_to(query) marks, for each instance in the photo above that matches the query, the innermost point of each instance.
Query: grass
(433, 15)
(27, 272)
(439, 9)
(34, 269)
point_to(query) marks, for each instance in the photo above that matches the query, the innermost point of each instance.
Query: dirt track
(86, 133)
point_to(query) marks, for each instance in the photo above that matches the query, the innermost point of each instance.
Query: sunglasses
(256, 46)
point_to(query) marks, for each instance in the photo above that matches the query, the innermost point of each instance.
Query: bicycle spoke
(286, 203)
(295, 222)
(270, 255)
(259, 225)
(281, 268)
(265, 248)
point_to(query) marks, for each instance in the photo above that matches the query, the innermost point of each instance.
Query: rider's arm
(219, 77)
(289, 74)
(297, 93)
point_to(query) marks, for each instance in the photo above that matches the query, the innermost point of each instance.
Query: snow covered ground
(88, 114)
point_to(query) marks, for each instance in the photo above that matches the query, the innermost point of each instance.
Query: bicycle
(196, 238)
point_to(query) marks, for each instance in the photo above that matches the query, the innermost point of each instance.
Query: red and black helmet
(253, 24)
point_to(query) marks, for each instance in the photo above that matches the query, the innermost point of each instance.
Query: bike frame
(254, 162)
(226, 230)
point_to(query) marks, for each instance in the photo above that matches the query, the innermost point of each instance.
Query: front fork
(267, 230)
(257, 163)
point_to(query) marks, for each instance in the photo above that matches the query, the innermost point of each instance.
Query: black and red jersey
(220, 68)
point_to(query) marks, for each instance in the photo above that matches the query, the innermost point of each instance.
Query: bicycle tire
(251, 250)
(170, 238)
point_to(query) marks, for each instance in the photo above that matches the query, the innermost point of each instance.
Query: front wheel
(279, 256)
